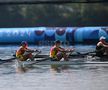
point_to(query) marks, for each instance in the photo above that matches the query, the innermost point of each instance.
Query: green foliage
(73, 14)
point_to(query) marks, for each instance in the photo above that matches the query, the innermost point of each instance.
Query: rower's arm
(61, 49)
(102, 44)
(65, 50)
(105, 45)
(29, 50)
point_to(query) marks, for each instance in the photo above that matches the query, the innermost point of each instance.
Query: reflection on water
(55, 77)
(59, 68)
(77, 77)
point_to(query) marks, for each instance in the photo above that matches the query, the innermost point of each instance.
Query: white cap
(102, 37)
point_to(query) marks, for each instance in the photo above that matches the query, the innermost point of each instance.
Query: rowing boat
(80, 56)
(74, 61)
(76, 55)
(69, 63)
(37, 56)
(70, 54)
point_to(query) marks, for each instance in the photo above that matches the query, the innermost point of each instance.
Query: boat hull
(81, 61)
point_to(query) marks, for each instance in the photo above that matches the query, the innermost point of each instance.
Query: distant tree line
(71, 14)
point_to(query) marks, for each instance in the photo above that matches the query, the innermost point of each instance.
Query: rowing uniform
(100, 50)
(55, 53)
(20, 53)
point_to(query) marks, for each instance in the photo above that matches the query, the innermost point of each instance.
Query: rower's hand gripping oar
(68, 52)
(37, 52)
(32, 51)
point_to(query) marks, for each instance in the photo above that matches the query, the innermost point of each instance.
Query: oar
(80, 54)
(86, 53)
(38, 61)
(32, 51)
(38, 52)
(6, 60)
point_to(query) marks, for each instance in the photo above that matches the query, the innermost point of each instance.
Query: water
(46, 77)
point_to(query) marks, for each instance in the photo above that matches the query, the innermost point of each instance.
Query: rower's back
(100, 49)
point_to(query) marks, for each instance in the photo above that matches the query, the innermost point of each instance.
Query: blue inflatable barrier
(103, 32)
(70, 34)
(78, 35)
(60, 34)
(49, 35)
(36, 35)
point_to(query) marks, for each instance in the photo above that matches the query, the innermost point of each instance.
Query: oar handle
(37, 50)
(68, 50)
(33, 51)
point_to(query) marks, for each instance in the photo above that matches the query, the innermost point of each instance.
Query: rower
(21, 52)
(57, 52)
(102, 47)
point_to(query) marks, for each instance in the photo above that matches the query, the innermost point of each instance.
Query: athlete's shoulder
(99, 43)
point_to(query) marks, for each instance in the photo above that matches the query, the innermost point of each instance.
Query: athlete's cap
(24, 43)
(102, 37)
(57, 41)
